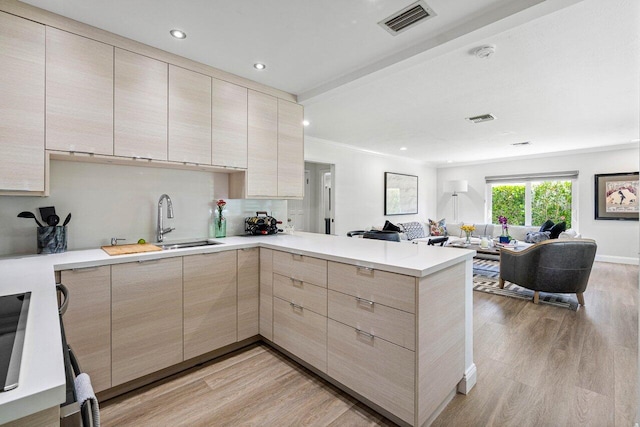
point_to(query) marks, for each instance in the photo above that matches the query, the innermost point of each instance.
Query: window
(532, 199)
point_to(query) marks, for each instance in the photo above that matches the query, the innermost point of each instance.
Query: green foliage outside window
(551, 200)
(508, 200)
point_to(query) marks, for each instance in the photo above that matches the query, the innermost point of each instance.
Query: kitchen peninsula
(324, 301)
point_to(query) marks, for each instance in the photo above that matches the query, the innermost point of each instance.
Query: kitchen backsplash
(121, 201)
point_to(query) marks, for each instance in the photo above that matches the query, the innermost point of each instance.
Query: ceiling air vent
(481, 118)
(517, 144)
(407, 17)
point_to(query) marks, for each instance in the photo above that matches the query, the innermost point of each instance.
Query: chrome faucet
(161, 231)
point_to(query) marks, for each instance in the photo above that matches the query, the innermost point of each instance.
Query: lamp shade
(457, 186)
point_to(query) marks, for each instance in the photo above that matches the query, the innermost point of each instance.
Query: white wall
(617, 240)
(359, 182)
(121, 201)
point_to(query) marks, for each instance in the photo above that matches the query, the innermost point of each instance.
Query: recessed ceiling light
(403, 148)
(305, 123)
(259, 66)
(449, 161)
(178, 34)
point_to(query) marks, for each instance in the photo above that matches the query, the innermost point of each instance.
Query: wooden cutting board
(130, 249)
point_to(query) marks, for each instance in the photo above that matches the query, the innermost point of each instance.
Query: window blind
(546, 176)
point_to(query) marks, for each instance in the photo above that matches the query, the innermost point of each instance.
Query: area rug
(486, 274)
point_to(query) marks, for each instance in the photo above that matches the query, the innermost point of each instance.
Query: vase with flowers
(468, 229)
(504, 238)
(220, 222)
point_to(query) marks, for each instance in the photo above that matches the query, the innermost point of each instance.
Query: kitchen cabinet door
(290, 149)
(87, 322)
(266, 293)
(189, 116)
(262, 160)
(146, 317)
(22, 55)
(140, 106)
(210, 302)
(229, 125)
(248, 292)
(79, 101)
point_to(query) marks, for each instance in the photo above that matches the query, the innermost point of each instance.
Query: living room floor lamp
(455, 187)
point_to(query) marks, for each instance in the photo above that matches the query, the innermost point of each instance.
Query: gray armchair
(557, 266)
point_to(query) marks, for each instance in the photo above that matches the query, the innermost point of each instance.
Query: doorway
(315, 213)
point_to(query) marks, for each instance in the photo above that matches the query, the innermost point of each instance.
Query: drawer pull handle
(365, 270)
(366, 334)
(364, 301)
(85, 268)
(296, 306)
(297, 257)
(145, 261)
(296, 282)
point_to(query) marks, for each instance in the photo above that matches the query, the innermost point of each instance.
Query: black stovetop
(13, 321)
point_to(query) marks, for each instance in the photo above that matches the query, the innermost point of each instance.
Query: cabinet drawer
(301, 267)
(385, 322)
(300, 331)
(391, 289)
(378, 370)
(309, 296)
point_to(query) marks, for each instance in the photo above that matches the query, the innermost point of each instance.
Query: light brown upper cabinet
(79, 101)
(22, 157)
(140, 106)
(189, 116)
(229, 125)
(290, 149)
(262, 161)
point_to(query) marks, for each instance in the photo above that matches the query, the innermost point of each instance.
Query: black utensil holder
(52, 240)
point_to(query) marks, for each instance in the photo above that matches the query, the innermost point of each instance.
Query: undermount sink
(195, 244)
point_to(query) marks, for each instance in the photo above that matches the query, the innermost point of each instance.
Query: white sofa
(455, 233)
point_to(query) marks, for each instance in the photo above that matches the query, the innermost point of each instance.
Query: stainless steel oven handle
(65, 294)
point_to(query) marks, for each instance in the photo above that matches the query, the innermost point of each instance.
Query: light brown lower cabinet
(210, 295)
(146, 322)
(248, 293)
(87, 321)
(266, 293)
(300, 331)
(377, 369)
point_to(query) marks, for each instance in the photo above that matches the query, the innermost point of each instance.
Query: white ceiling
(565, 74)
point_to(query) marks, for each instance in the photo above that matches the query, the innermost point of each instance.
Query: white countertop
(42, 372)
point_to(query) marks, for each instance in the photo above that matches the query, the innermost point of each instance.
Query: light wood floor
(537, 366)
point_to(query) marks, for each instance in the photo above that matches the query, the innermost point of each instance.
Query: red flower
(221, 203)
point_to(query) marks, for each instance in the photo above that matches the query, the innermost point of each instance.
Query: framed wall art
(617, 196)
(400, 194)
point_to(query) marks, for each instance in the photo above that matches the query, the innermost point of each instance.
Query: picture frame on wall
(616, 196)
(400, 194)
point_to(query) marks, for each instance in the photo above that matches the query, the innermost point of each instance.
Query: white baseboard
(469, 380)
(617, 259)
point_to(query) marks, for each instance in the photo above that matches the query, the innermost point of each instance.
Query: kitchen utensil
(53, 220)
(46, 212)
(66, 220)
(26, 214)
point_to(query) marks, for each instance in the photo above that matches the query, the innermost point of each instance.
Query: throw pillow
(438, 228)
(388, 226)
(413, 230)
(546, 226)
(536, 236)
(557, 229)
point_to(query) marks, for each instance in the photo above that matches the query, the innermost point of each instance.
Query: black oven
(80, 408)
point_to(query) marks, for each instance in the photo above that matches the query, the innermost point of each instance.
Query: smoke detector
(484, 52)
(481, 118)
